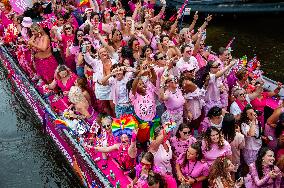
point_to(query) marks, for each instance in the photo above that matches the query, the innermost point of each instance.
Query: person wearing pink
(82, 108)
(234, 137)
(181, 141)
(5, 10)
(271, 125)
(213, 92)
(64, 78)
(142, 94)
(156, 180)
(45, 63)
(263, 172)
(174, 101)
(252, 132)
(214, 118)
(67, 40)
(261, 101)
(142, 170)
(214, 145)
(190, 169)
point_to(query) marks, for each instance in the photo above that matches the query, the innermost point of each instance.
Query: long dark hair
(207, 138)
(258, 163)
(154, 178)
(197, 147)
(76, 41)
(202, 74)
(180, 128)
(229, 127)
(244, 119)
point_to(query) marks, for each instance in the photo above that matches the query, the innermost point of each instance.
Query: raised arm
(132, 150)
(154, 146)
(43, 46)
(94, 5)
(161, 13)
(222, 72)
(107, 149)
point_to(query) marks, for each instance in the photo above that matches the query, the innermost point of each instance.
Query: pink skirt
(45, 68)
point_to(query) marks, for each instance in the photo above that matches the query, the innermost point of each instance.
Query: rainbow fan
(83, 2)
(124, 125)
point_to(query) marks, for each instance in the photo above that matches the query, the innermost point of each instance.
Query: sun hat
(27, 22)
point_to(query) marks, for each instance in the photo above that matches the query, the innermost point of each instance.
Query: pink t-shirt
(180, 146)
(145, 106)
(193, 169)
(175, 100)
(215, 151)
(65, 40)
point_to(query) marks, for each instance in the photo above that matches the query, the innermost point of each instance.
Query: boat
(232, 6)
(88, 167)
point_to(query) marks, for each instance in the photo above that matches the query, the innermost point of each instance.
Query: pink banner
(20, 6)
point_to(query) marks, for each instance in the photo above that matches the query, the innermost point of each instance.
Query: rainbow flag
(83, 2)
(124, 125)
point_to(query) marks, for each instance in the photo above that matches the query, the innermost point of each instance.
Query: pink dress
(193, 169)
(265, 182)
(123, 157)
(180, 146)
(4, 19)
(145, 106)
(70, 82)
(215, 151)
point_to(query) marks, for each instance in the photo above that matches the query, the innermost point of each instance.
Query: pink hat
(27, 22)
(187, 67)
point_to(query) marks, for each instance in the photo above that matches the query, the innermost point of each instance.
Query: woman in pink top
(214, 145)
(234, 137)
(190, 169)
(264, 173)
(157, 180)
(214, 118)
(181, 141)
(67, 40)
(261, 101)
(213, 93)
(64, 78)
(174, 101)
(5, 10)
(271, 125)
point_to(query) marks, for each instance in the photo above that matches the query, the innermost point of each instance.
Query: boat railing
(36, 96)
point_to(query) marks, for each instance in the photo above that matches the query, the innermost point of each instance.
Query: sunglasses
(146, 165)
(161, 58)
(139, 28)
(106, 126)
(68, 28)
(186, 132)
(242, 94)
(80, 35)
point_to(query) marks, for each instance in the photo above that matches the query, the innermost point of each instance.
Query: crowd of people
(200, 117)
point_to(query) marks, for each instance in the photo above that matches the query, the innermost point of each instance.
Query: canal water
(29, 159)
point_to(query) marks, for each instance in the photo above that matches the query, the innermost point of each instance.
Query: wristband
(133, 138)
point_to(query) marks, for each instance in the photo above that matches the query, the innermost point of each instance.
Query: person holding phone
(263, 172)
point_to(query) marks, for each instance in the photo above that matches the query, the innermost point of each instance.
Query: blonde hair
(37, 28)
(76, 95)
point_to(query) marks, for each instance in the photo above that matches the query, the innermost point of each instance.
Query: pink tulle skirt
(45, 68)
